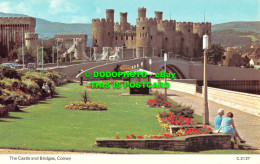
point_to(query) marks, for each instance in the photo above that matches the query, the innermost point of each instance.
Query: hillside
(227, 34)
(238, 26)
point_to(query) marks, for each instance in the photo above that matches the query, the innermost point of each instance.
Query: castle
(150, 37)
(17, 30)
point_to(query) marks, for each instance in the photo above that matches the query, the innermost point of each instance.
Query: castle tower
(124, 25)
(142, 12)
(31, 40)
(110, 15)
(187, 38)
(142, 37)
(202, 29)
(158, 15)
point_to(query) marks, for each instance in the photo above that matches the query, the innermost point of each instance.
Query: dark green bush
(8, 72)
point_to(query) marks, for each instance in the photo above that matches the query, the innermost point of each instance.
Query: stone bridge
(183, 69)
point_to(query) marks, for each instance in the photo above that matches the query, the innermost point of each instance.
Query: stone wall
(185, 143)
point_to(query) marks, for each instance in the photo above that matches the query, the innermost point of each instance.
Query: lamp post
(165, 63)
(161, 52)
(22, 48)
(57, 53)
(205, 114)
(150, 63)
(153, 51)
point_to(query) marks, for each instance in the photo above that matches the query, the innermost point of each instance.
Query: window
(166, 39)
(188, 30)
(182, 39)
(126, 37)
(173, 29)
(143, 28)
(108, 33)
(132, 37)
(116, 37)
(96, 41)
(151, 37)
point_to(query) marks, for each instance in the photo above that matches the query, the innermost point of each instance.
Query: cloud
(63, 6)
(5, 7)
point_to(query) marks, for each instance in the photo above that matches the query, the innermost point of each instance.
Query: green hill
(238, 26)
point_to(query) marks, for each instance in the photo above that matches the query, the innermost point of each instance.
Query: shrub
(39, 79)
(8, 72)
(30, 86)
(10, 83)
(57, 77)
(184, 111)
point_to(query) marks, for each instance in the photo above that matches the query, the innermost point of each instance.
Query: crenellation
(149, 33)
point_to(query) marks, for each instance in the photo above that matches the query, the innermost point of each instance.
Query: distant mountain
(227, 34)
(236, 33)
(238, 26)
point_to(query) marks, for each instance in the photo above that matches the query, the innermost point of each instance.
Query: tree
(214, 53)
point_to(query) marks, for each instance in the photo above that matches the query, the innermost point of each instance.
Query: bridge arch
(170, 68)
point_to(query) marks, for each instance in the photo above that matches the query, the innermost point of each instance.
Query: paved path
(248, 125)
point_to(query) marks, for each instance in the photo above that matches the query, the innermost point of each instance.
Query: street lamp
(150, 63)
(161, 52)
(57, 52)
(205, 114)
(153, 51)
(42, 49)
(165, 63)
(22, 48)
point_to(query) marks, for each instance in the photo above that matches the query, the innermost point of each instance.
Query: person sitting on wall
(47, 90)
(218, 119)
(227, 129)
(43, 90)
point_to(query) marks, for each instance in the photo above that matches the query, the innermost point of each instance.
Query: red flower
(117, 137)
(132, 134)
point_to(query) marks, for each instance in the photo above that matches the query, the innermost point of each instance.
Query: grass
(49, 126)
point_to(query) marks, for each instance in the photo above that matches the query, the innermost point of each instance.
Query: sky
(83, 11)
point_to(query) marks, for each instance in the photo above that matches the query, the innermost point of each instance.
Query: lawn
(49, 126)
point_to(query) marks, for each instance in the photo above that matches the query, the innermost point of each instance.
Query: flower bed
(166, 119)
(80, 105)
(181, 132)
(157, 104)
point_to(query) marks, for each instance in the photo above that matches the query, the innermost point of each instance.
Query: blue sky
(83, 11)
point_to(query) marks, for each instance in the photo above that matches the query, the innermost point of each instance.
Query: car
(8, 64)
(31, 66)
(17, 66)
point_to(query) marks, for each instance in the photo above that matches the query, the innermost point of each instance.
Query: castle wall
(151, 35)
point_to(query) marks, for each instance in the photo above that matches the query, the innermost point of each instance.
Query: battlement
(101, 21)
(17, 20)
(31, 36)
(146, 20)
(202, 24)
(185, 24)
(69, 36)
(167, 22)
(109, 10)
